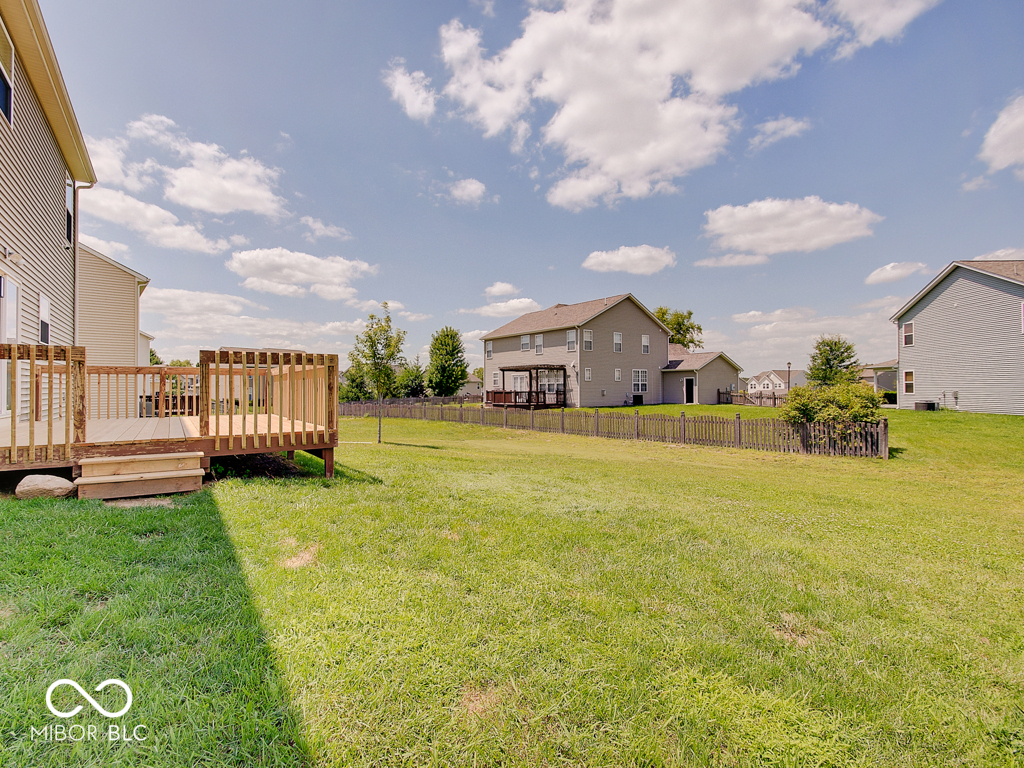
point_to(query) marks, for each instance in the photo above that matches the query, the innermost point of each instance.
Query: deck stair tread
(199, 472)
(148, 457)
(112, 477)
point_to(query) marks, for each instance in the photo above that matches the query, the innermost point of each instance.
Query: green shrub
(840, 404)
(889, 397)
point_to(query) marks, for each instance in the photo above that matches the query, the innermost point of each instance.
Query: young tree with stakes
(448, 369)
(378, 350)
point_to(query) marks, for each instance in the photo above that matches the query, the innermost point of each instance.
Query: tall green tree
(833, 361)
(411, 381)
(378, 350)
(354, 388)
(448, 369)
(684, 330)
(154, 358)
(479, 372)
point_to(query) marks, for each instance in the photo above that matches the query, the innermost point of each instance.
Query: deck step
(133, 465)
(119, 477)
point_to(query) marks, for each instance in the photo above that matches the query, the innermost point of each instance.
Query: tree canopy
(378, 351)
(843, 404)
(154, 358)
(833, 361)
(684, 330)
(448, 369)
(354, 388)
(411, 382)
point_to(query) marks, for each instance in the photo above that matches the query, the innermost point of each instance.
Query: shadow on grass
(895, 453)
(153, 596)
(415, 445)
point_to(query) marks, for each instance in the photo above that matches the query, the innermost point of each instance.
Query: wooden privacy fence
(763, 399)
(870, 440)
(292, 396)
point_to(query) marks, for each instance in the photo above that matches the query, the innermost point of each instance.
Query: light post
(789, 373)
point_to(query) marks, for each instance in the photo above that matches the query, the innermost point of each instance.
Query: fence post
(504, 413)
(739, 432)
(636, 423)
(481, 413)
(884, 447)
(803, 437)
(204, 395)
(531, 418)
(562, 428)
(597, 422)
(462, 417)
(682, 427)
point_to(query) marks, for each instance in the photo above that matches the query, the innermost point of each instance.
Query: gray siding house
(607, 352)
(961, 340)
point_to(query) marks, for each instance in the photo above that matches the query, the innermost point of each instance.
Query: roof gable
(565, 316)
(682, 359)
(1010, 271)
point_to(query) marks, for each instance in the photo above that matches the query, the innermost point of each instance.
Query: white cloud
(1003, 254)
(291, 273)
(733, 260)
(978, 182)
(157, 225)
(777, 226)
(897, 270)
(415, 317)
(763, 340)
(411, 90)
(203, 316)
(470, 337)
(486, 7)
(211, 180)
(111, 166)
(775, 130)
(318, 229)
(1003, 146)
(889, 303)
(634, 259)
(636, 88)
(109, 248)
(497, 289)
(874, 20)
(504, 308)
(468, 192)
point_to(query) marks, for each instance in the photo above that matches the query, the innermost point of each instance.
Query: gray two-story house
(961, 340)
(604, 352)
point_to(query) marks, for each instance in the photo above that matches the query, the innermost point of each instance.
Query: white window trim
(489, 350)
(904, 333)
(588, 339)
(913, 383)
(616, 341)
(570, 340)
(640, 381)
(587, 374)
(645, 344)
(618, 374)
(496, 379)
(538, 343)
(524, 343)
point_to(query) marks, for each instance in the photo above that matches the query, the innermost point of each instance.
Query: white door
(519, 382)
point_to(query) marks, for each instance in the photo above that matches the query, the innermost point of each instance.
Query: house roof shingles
(1011, 270)
(558, 316)
(682, 359)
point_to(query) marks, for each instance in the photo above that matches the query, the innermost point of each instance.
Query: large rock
(44, 486)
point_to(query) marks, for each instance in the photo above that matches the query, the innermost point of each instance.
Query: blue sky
(782, 168)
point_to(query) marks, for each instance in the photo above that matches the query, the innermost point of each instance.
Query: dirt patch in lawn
(303, 559)
(796, 630)
(480, 703)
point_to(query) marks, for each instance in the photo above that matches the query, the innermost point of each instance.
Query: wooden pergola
(532, 396)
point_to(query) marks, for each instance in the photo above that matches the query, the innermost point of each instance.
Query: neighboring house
(777, 380)
(108, 311)
(961, 339)
(601, 352)
(42, 159)
(696, 377)
(881, 376)
(473, 386)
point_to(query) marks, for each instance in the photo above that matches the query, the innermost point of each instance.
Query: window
(549, 381)
(616, 342)
(588, 341)
(586, 374)
(908, 382)
(779, 385)
(639, 381)
(69, 202)
(618, 374)
(489, 350)
(645, 344)
(44, 320)
(908, 334)
(6, 68)
(570, 341)
(524, 343)
(538, 343)
(496, 380)
(766, 385)
(9, 334)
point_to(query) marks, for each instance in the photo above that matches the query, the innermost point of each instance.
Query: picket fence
(868, 440)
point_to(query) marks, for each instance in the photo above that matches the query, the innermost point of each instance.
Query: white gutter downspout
(74, 244)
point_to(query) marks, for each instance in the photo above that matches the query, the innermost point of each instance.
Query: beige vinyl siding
(507, 352)
(716, 375)
(33, 220)
(633, 322)
(108, 301)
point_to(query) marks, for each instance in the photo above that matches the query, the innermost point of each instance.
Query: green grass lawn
(469, 596)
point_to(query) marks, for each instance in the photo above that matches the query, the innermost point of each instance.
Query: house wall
(108, 308)
(507, 353)
(627, 318)
(967, 339)
(716, 375)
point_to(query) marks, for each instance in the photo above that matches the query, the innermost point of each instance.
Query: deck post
(78, 382)
(13, 389)
(739, 432)
(332, 405)
(329, 462)
(204, 394)
(163, 379)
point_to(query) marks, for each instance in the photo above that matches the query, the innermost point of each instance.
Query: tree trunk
(380, 416)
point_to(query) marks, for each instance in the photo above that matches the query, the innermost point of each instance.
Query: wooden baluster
(231, 400)
(13, 390)
(49, 403)
(216, 406)
(303, 360)
(31, 405)
(67, 402)
(245, 397)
